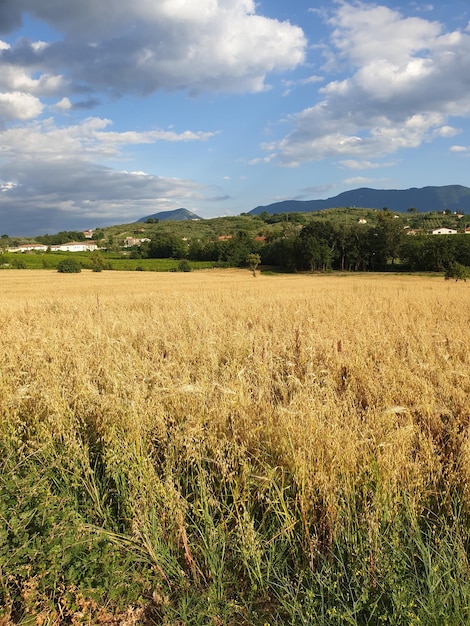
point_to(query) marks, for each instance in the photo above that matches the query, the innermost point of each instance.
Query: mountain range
(426, 199)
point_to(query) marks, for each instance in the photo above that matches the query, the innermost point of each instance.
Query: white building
(75, 246)
(29, 247)
(444, 231)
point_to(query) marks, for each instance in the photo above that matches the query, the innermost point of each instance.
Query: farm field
(212, 448)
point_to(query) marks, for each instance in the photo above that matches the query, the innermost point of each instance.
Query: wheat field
(213, 448)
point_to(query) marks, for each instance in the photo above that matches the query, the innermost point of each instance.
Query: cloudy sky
(113, 110)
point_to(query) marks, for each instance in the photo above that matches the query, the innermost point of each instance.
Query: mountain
(426, 199)
(176, 215)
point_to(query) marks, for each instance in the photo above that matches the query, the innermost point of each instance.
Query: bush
(457, 271)
(18, 264)
(69, 266)
(184, 266)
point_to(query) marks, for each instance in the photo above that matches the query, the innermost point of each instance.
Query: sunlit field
(210, 448)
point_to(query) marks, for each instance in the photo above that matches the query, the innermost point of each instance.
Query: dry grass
(335, 386)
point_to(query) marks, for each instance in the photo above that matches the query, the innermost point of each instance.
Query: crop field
(209, 449)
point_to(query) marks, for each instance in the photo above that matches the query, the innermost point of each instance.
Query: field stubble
(213, 448)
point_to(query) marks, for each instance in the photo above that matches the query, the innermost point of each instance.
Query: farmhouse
(29, 247)
(75, 246)
(444, 231)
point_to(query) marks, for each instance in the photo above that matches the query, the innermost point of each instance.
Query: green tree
(389, 237)
(97, 262)
(253, 261)
(166, 246)
(235, 251)
(317, 245)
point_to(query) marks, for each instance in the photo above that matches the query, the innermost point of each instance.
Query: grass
(210, 448)
(112, 261)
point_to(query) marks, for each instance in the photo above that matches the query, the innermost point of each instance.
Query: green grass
(113, 261)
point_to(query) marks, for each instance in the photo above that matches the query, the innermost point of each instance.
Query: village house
(444, 231)
(75, 246)
(29, 247)
(129, 242)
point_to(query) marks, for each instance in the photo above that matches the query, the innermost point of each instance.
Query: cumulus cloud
(16, 105)
(403, 78)
(50, 174)
(97, 51)
(90, 138)
(144, 46)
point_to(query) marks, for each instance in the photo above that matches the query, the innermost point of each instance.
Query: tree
(69, 266)
(96, 261)
(166, 246)
(317, 245)
(235, 251)
(253, 261)
(389, 237)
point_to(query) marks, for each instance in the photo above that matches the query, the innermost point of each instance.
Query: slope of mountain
(452, 197)
(176, 215)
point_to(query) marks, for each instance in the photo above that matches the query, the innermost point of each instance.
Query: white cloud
(53, 176)
(144, 46)
(63, 105)
(358, 180)
(7, 186)
(405, 78)
(353, 164)
(87, 139)
(19, 106)
(463, 150)
(17, 79)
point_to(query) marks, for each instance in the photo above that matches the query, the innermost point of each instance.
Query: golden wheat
(319, 374)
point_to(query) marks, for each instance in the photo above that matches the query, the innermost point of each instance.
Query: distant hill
(426, 199)
(176, 215)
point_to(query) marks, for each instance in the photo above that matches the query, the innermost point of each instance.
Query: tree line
(322, 245)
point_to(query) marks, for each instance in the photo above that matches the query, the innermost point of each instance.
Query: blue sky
(110, 110)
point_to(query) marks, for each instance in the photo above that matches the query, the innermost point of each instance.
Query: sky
(114, 110)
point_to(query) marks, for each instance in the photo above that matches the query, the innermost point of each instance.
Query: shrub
(184, 266)
(18, 264)
(457, 271)
(69, 266)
